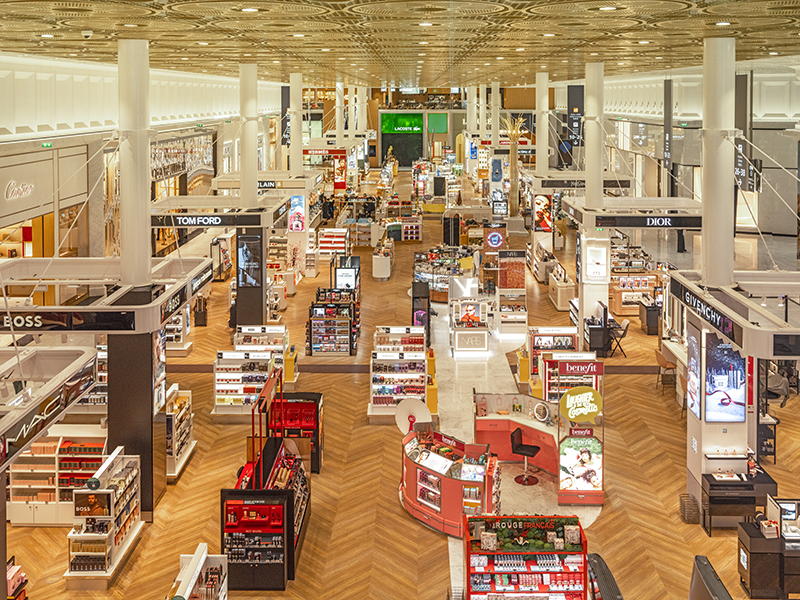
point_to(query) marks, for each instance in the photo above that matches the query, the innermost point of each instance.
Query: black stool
(526, 450)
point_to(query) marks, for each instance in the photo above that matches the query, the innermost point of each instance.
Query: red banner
(448, 441)
(325, 151)
(580, 368)
(583, 432)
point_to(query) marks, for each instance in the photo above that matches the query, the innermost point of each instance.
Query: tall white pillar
(495, 113)
(267, 145)
(389, 96)
(362, 109)
(482, 110)
(351, 111)
(134, 161)
(296, 124)
(472, 109)
(339, 114)
(719, 94)
(248, 111)
(542, 123)
(593, 135)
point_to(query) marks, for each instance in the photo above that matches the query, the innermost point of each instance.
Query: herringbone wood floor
(360, 543)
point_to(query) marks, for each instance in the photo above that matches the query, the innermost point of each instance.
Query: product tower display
(265, 518)
(525, 558)
(445, 479)
(107, 523)
(202, 576)
(180, 430)
(238, 380)
(333, 322)
(299, 416)
(550, 339)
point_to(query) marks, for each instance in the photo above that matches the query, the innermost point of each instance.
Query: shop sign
(694, 222)
(452, 442)
(244, 355)
(268, 185)
(324, 151)
(709, 314)
(260, 329)
(512, 254)
(16, 190)
(34, 321)
(201, 279)
(204, 220)
(581, 404)
(467, 340)
(386, 355)
(581, 432)
(171, 306)
(581, 184)
(580, 368)
(483, 173)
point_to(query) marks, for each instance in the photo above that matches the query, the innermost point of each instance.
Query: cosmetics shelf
(261, 338)
(239, 377)
(177, 333)
(180, 430)
(202, 576)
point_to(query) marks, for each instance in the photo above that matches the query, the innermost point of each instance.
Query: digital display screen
(788, 511)
(401, 123)
(693, 370)
(726, 382)
(543, 215)
(248, 261)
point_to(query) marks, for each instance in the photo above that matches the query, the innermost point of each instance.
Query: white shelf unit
(42, 479)
(177, 333)
(180, 430)
(96, 402)
(360, 232)
(263, 338)
(202, 575)
(333, 241)
(312, 262)
(512, 312)
(278, 249)
(238, 379)
(398, 369)
(105, 531)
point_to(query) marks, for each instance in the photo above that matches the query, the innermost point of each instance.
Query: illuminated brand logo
(494, 239)
(581, 404)
(16, 190)
(580, 368)
(22, 321)
(35, 424)
(267, 185)
(173, 304)
(722, 323)
(194, 221)
(659, 222)
(201, 279)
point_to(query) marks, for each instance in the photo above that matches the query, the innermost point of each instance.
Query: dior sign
(16, 190)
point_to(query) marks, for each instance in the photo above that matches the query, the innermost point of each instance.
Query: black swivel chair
(526, 450)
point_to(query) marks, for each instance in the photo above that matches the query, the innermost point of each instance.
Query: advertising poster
(92, 504)
(693, 369)
(297, 217)
(581, 464)
(725, 382)
(340, 174)
(345, 279)
(543, 213)
(470, 312)
(248, 261)
(497, 170)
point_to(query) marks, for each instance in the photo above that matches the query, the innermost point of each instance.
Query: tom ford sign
(205, 220)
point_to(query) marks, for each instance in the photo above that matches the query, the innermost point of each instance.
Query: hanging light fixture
(763, 300)
(781, 301)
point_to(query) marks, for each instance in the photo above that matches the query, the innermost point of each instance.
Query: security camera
(87, 33)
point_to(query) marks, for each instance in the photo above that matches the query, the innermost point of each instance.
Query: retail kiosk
(468, 318)
(445, 479)
(437, 265)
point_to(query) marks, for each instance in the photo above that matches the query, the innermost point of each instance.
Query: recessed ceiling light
(608, 8)
(352, 64)
(520, 49)
(425, 24)
(247, 55)
(486, 64)
(549, 35)
(659, 57)
(203, 43)
(341, 58)
(564, 61)
(544, 66)
(499, 58)
(421, 54)
(219, 65)
(326, 50)
(643, 42)
(622, 63)
(130, 25)
(73, 55)
(423, 43)
(593, 54)
(47, 35)
(249, 10)
(773, 53)
(420, 61)
(298, 35)
(184, 58)
(722, 23)
(274, 62)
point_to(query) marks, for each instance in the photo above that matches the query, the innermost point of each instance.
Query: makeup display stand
(96, 401)
(445, 479)
(238, 379)
(42, 479)
(180, 431)
(299, 416)
(177, 333)
(525, 557)
(265, 518)
(263, 338)
(549, 339)
(202, 575)
(556, 384)
(333, 323)
(105, 532)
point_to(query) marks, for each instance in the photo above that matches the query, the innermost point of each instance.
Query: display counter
(649, 314)
(383, 259)
(437, 265)
(735, 497)
(469, 326)
(445, 479)
(562, 289)
(495, 429)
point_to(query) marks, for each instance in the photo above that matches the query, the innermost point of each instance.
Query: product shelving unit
(265, 518)
(383, 259)
(202, 575)
(96, 401)
(550, 339)
(221, 255)
(238, 379)
(525, 557)
(278, 250)
(543, 263)
(105, 531)
(16, 581)
(561, 289)
(177, 334)
(626, 292)
(512, 311)
(334, 241)
(42, 479)
(398, 370)
(555, 384)
(263, 338)
(180, 430)
(329, 329)
(574, 312)
(299, 416)
(311, 265)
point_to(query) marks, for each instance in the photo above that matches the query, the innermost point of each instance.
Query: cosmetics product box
(572, 534)
(488, 540)
(559, 543)
(551, 537)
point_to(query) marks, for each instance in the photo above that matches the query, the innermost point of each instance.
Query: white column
(542, 123)
(362, 109)
(351, 111)
(719, 93)
(495, 113)
(593, 135)
(389, 95)
(339, 114)
(481, 110)
(267, 146)
(248, 111)
(134, 161)
(472, 109)
(296, 124)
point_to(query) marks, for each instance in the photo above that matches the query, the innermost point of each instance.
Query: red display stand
(520, 557)
(298, 415)
(444, 479)
(556, 383)
(550, 339)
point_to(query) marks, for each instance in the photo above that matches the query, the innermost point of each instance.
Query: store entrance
(406, 147)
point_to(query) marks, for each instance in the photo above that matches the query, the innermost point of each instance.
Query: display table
(445, 479)
(383, 260)
(649, 313)
(561, 292)
(734, 498)
(495, 431)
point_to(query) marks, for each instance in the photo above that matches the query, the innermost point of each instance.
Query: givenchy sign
(709, 314)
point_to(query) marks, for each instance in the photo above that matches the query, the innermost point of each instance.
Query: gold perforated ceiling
(413, 43)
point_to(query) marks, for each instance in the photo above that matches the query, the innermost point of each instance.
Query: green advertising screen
(401, 123)
(437, 122)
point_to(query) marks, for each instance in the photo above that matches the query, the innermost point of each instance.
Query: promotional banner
(543, 213)
(248, 261)
(340, 174)
(581, 405)
(693, 369)
(297, 216)
(581, 464)
(725, 382)
(401, 122)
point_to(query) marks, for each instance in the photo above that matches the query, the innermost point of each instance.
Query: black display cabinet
(299, 415)
(421, 308)
(451, 231)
